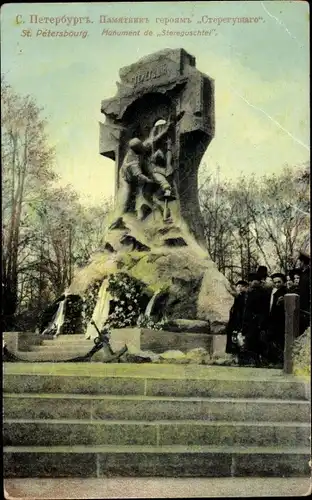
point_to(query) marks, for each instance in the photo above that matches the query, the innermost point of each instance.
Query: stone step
(63, 339)
(74, 406)
(58, 354)
(27, 432)
(56, 343)
(147, 461)
(69, 338)
(163, 371)
(84, 381)
(54, 349)
(160, 487)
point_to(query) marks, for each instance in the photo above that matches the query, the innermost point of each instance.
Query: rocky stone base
(191, 293)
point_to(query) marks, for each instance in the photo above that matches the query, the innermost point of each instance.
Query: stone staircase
(100, 420)
(46, 348)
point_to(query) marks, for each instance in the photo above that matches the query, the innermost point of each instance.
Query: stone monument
(157, 128)
(164, 86)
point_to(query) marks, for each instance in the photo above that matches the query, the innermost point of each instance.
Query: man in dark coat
(254, 321)
(304, 291)
(236, 317)
(275, 338)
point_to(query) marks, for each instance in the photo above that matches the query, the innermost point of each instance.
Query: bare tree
(26, 165)
(281, 214)
(256, 220)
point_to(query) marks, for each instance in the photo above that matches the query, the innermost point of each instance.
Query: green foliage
(89, 302)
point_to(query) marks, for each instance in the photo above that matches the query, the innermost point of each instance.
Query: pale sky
(261, 73)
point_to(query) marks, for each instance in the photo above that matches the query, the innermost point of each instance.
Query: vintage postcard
(156, 249)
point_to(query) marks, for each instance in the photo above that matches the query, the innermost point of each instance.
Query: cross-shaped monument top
(164, 87)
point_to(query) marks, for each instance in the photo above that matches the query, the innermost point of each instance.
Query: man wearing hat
(262, 272)
(254, 321)
(276, 321)
(241, 286)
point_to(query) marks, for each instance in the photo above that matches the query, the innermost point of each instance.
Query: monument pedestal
(20, 341)
(160, 341)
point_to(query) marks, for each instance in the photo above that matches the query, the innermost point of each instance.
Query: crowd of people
(256, 327)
